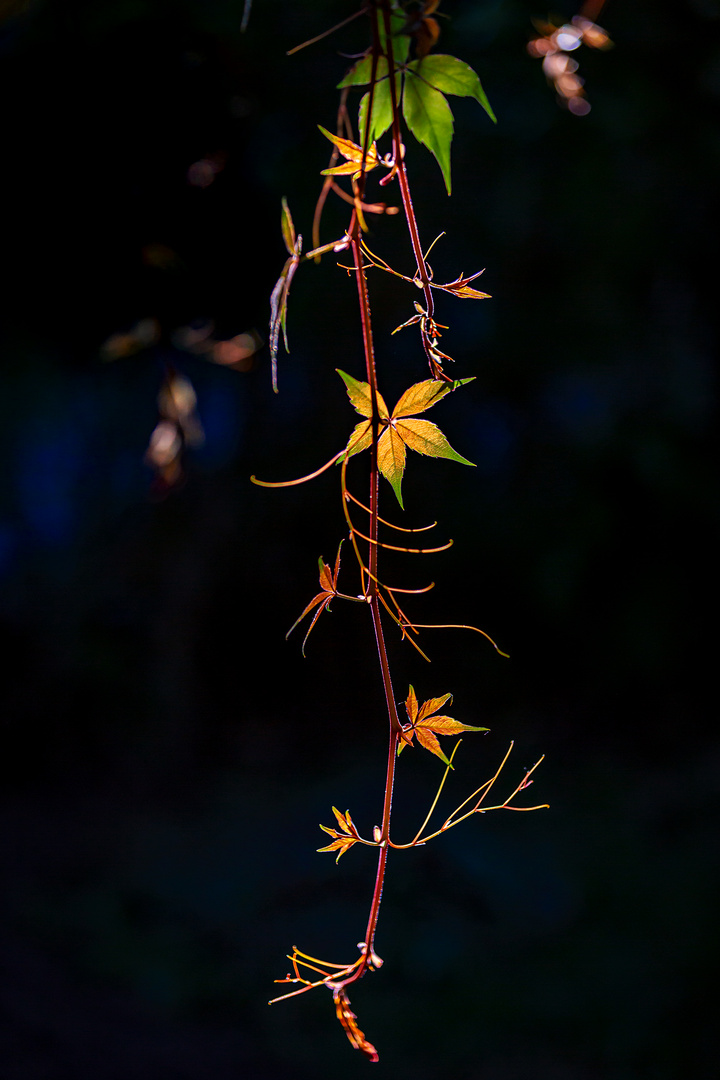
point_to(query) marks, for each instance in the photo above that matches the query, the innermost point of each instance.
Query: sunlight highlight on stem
(300, 480)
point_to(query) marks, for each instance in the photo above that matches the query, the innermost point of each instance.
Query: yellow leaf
(349, 168)
(360, 396)
(466, 293)
(391, 459)
(360, 439)
(426, 438)
(421, 396)
(353, 153)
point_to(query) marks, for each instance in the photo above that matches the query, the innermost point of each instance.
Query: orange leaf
(429, 741)
(340, 818)
(326, 581)
(319, 599)
(445, 725)
(432, 705)
(341, 844)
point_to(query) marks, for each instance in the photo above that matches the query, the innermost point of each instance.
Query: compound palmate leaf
(427, 726)
(398, 431)
(341, 841)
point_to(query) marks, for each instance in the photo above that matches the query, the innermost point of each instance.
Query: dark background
(166, 755)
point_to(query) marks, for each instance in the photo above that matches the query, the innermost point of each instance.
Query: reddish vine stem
(405, 192)
(394, 720)
(372, 585)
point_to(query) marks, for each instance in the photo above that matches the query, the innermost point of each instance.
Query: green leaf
(426, 438)
(382, 116)
(400, 41)
(361, 396)
(452, 76)
(362, 72)
(430, 119)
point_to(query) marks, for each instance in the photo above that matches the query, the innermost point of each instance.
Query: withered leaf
(461, 287)
(348, 1020)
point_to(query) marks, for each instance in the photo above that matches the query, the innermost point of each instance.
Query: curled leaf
(281, 292)
(348, 1020)
(288, 229)
(461, 288)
